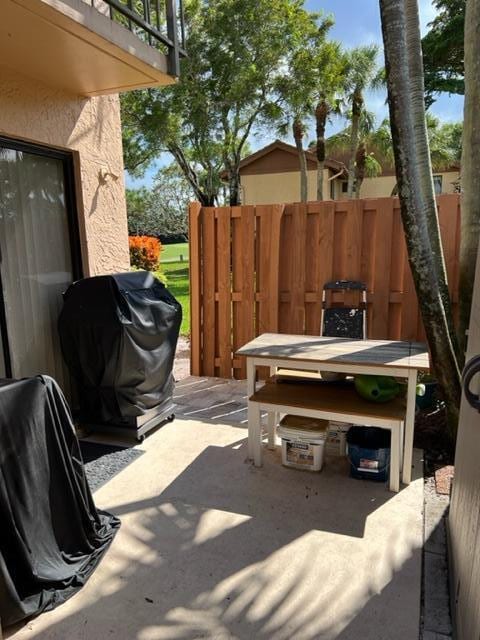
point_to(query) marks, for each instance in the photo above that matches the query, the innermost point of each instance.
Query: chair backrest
(344, 321)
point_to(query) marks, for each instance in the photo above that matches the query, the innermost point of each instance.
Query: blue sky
(357, 22)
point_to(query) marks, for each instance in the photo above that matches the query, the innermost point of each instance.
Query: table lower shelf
(332, 398)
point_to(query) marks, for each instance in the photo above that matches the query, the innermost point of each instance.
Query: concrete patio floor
(211, 547)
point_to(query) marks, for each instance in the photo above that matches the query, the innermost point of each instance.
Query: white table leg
(272, 423)
(395, 447)
(409, 427)
(250, 408)
(272, 419)
(256, 433)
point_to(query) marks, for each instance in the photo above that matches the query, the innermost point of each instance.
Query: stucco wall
(275, 188)
(380, 187)
(91, 128)
(272, 188)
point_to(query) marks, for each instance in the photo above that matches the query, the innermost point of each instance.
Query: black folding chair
(344, 321)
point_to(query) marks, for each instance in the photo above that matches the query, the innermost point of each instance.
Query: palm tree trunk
(298, 133)
(357, 105)
(401, 37)
(415, 62)
(360, 162)
(321, 113)
(470, 222)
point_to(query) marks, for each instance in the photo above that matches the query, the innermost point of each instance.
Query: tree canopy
(237, 50)
(443, 50)
(161, 210)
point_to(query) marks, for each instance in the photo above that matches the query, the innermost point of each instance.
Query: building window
(437, 184)
(345, 187)
(40, 256)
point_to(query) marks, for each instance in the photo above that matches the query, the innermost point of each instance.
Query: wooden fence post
(194, 221)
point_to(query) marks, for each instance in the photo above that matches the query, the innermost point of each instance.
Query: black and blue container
(369, 453)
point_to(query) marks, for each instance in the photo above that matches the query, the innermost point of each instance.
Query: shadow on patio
(211, 547)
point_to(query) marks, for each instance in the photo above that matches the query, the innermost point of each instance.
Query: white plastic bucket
(336, 444)
(303, 442)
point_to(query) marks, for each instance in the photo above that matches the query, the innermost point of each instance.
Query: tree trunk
(321, 113)
(234, 188)
(401, 39)
(360, 162)
(298, 133)
(417, 89)
(470, 225)
(206, 198)
(357, 106)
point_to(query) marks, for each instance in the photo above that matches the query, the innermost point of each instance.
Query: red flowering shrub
(144, 252)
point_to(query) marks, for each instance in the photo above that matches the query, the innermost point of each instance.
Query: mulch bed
(443, 479)
(431, 436)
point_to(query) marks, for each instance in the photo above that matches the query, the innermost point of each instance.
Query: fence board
(245, 267)
(381, 273)
(208, 291)
(313, 260)
(297, 291)
(195, 276)
(224, 289)
(258, 269)
(269, 267)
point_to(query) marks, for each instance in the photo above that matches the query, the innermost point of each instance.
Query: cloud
(365, 36)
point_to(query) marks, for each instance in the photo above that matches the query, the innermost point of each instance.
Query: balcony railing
(159, 23)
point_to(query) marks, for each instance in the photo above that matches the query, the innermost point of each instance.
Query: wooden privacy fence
(262, 268)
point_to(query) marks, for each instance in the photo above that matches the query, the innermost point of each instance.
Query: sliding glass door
(38, 247)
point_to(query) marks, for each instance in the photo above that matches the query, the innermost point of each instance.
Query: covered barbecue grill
(118, 335)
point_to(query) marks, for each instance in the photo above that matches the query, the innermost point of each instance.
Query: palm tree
(298, 88)
(375, 150)
(372, 150)
(363, 74)
(331, 82)
(404, 70)
(295, 114)
(470, 227)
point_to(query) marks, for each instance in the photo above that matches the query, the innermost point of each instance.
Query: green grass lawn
(172, 252)
(178, 283)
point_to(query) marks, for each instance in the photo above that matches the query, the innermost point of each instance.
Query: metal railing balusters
(182, 24)
(127, 13)
(172, 32)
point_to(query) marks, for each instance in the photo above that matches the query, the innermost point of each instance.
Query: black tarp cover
(118, 335)
(51, 535)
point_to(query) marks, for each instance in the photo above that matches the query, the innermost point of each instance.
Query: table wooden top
(322, 349)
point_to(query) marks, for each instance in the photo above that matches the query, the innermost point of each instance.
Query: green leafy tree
(139, 212)
(404, 71)
(236, 51)
(443, 51)
(161, 210)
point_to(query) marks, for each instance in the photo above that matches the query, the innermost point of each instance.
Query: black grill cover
(118, 335)
(51, 535)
